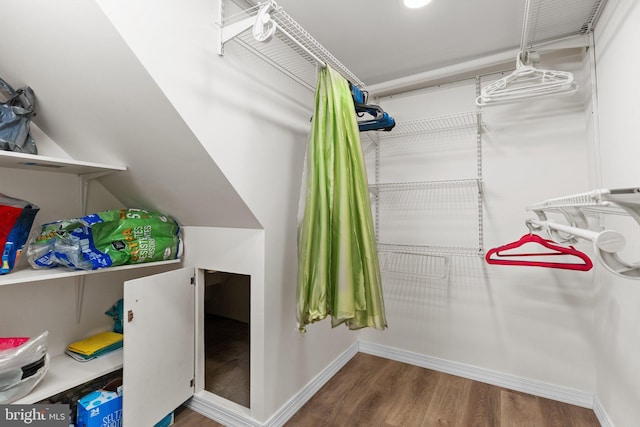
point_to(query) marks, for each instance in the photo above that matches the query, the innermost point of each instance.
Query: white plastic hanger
(527, 82)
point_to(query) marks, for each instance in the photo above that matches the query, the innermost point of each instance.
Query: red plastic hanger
(503, 258)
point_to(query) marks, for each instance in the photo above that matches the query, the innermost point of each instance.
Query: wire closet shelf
(550, 20)
(607, 244)
(466, 191)
(425, 185)
(280, 41)
(434, 124)
(429, 249)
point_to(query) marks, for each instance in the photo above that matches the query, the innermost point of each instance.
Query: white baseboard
(537, 388)
(209, 405)
(299, 399)
(603, 418)
(230, 418)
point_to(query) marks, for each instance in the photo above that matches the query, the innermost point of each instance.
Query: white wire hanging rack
(279, 40)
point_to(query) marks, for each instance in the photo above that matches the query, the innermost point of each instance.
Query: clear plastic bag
(22, 368)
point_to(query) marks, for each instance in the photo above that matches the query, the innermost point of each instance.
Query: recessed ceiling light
(414, 4)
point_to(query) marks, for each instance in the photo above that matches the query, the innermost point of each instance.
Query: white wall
(254, 123)
(213, 141)
(97, 102)
(617, 311)
(527, 322)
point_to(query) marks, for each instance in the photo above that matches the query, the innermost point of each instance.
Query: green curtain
(338, 270)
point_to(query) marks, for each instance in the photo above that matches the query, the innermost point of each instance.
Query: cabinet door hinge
(193, 280)
(130, 316)
(192, 382)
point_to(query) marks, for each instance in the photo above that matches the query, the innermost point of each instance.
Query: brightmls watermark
(57, 415)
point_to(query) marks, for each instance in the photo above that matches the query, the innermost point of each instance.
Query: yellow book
(89, 346)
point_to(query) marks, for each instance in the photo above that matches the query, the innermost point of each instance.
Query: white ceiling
(381, 41)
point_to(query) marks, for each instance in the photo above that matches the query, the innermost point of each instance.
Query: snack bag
(106, 239)
(16, 219)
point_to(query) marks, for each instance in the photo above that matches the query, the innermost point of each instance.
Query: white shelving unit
(64, 372)
(410, 193)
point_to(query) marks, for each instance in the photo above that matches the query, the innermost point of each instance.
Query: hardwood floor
(372, 391)
(227, 359)
(375, 392)
(185, 417)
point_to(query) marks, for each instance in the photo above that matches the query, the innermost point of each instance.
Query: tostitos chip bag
(16, 219)
(105, 239)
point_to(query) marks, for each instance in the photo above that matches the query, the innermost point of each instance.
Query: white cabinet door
(159, 345)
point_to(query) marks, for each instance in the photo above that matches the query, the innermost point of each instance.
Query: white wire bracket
(269, 21)
(607, 243)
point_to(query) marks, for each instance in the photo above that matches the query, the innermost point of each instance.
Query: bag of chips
(105, 239)
(16, 219)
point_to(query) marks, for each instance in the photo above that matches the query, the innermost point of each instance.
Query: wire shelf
(424, 185)
(292, 49)
(620, 201)
(434, 124)
(430, 249)
(414, 264)
(591, 199)
(549, 20)
(428, 217)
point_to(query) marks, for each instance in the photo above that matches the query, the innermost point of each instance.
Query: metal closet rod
(303, 47)
(607, 240)
(606, 243)
(525, 25)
